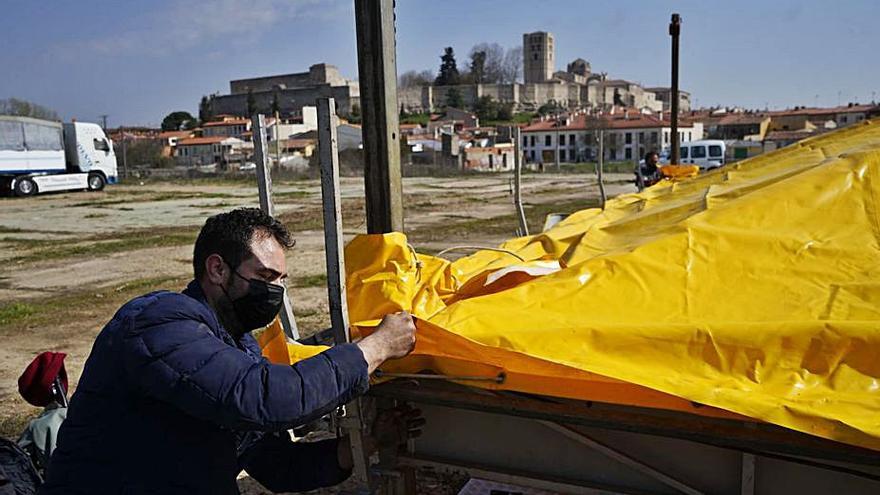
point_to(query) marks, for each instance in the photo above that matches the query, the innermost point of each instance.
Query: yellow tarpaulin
(753, 289)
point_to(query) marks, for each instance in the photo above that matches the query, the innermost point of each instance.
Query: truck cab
(88, 150)
(39, 156)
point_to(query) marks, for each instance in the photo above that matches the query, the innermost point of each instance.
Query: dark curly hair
(230, 234)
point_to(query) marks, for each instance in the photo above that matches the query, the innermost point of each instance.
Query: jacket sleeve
(174, 357)
(282, 465)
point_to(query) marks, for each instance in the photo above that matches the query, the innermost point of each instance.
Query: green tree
(486, 108)
(505, 112)
(448, 69)
(251, 103)
(205, 108)
(176, 121)
(276, 106)
(478, 66)
(453, 98)
(355, 114)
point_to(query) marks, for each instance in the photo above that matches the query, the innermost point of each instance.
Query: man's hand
(395, 337)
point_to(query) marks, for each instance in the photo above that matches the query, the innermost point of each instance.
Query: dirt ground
(70, 260)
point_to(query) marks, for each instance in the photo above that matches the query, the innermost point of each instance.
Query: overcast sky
(138, 61)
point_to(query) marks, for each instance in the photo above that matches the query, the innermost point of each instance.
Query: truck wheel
(25, 186)
(96, 182)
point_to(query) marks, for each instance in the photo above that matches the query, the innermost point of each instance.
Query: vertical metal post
(640, 180)
(377, 71)
(599, 166)
(674, 31)
(335, 254)
(517, 182)
(124, 154)
(278, 141)
(264, 186)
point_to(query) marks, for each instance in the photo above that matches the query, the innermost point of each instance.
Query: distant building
(664, 96)
(198, 151)
(538, 62)
(576, 87)
(628, 135)
(292, 92)
(493, 158)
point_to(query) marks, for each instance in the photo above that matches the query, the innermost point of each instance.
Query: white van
(707, 153)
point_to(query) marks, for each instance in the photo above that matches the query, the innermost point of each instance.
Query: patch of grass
(291, 194)
(504, 225)
(319, 280)
(101, 244)
(12, 424)
(305, 313)
(40, 312)
(9, 230)
(96, 215)
(14, 312)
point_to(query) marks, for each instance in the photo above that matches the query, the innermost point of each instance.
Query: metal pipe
(499, 378)
(517, 182)
(674, 31)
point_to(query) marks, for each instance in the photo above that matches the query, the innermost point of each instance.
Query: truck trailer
(38, 156)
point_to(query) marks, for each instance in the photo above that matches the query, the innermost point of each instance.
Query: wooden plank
(264, 186)
(334, 251)
(377, 72)
(517, 182)
(333, 240)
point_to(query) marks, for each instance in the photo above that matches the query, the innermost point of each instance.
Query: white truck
(38, 156)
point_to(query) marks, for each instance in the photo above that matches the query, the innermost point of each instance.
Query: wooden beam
(517, 182)
(377, 73)
(264, 186)
(335, 255)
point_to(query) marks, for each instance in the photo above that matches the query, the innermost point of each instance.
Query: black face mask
(260, 305)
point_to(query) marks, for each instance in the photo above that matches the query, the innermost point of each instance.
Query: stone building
(291, 91)
(576, 87)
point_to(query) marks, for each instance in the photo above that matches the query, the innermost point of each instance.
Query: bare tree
(24, 108)
(512, 65)
(412, 78)
(493, 61)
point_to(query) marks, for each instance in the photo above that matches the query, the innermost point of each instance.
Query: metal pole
(377, 71)
(335, 255)
(599, 166)
(640, 180)
(517, 182)
(674, 31)
(124, 154)
(277, 140)
(264, 186)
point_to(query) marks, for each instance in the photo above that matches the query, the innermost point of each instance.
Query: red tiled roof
(224, 123)
(606, 121)
(825, 111)
(173, 134)
(202, 140)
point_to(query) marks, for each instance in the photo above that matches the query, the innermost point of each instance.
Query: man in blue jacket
(175, 397)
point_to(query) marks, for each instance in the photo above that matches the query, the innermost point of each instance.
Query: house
(628, 135)
(496, 158)
(227, 127)
(302, 147)
(169, 140)
(196, 151)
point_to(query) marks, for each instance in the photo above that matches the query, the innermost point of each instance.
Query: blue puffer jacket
(170, 403)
